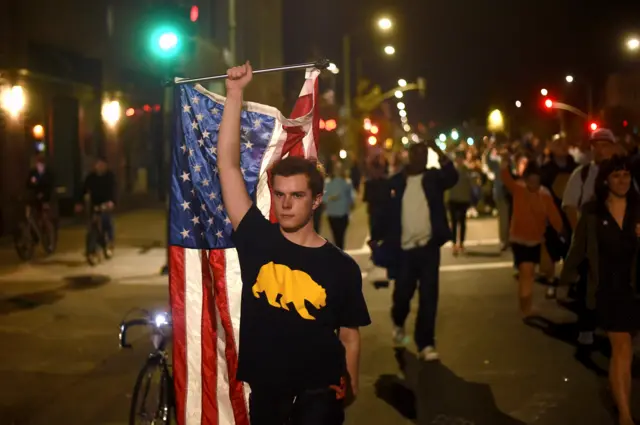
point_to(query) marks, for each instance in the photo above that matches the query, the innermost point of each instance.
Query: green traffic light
(166, 42)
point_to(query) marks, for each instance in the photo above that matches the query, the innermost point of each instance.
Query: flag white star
(210, 221)
(248, 145)
(197, 168)
(195, 100)
(186, 108)
(212, 196)
(185, 177)
(199, 117)
(190, 152)
(214, 169)
(219, 234)
(205, 134)
(195, 220)
(184, 148)
(213, 150)
(215, 111)
(185, 205)
(184, 233)
(227, 221)
(205, 182)
(257, 123)
(201, 142)
(194, 125)
(220, 207)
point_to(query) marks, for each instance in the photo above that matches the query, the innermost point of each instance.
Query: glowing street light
(518, 104)
(400, 105)
(398, 94)
(385, 24)
(390, 50)
(404, 120)
(496, 121)
(403, 113)
(544, 92)
(470, 141)
(402, 82)
(333, 68)
(405, 140)
(111, 112)
(406, 128)
(633, 44)
(569, 79)
(443, 137)
(372, 140)
(455, 135)
(343, 154)
(13, 100)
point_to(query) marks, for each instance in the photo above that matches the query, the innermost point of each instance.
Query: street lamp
(633, 44)
(400, 105)
(385, 24)
(390, 50)
(403, 113)
(455, 135)
(518, 104)
(443, 137)
(402, 82)
(398, 94)
(544, 92)
(333, 68)
(406, 128)
(569, 78)
(343, 154)
(496, 121)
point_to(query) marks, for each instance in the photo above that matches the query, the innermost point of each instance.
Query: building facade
(77, 83)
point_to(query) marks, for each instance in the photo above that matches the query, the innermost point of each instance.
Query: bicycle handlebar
(157, 321)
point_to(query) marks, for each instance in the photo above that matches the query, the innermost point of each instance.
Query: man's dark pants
(418, 267)
(273, 406)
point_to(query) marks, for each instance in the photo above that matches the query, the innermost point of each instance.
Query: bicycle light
(160, 319)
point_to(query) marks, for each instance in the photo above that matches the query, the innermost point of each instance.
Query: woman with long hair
(339, 197)
(607, 237)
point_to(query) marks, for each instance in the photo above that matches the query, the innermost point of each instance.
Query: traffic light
(593, 126)
(167, 32)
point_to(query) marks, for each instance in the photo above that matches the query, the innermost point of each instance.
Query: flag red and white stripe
(205, 292)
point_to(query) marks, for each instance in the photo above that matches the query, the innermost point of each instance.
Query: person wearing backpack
(580, 190)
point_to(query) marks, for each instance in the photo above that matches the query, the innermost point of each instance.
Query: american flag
(204, 278)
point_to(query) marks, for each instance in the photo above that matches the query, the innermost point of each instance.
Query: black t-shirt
(294, 299)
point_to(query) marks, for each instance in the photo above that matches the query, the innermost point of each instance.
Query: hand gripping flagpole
(321, 64)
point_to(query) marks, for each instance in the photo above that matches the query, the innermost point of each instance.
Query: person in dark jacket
(40, 184)
(417, 227)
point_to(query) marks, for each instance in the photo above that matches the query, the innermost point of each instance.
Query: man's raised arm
(234, 193)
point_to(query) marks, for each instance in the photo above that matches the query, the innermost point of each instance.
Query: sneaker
(428, 354)
(585, 338)
(399, 337)
(551, 293)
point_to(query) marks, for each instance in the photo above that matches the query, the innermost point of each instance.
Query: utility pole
(232, 32)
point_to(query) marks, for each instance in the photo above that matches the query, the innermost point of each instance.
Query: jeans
(269, 406)
(339, 229)
(419, 267)
(94, 239)
(458, 212)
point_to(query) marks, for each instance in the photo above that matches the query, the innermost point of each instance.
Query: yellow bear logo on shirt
(294, 286)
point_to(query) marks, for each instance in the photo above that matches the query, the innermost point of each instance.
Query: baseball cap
(603, 134)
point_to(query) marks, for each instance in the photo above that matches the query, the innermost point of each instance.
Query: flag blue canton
(198, 219)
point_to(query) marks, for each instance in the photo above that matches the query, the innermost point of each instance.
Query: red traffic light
(625, 123)
(593, 126)
(548, 103)
(195, 12)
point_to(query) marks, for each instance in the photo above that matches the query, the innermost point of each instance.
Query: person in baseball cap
(604, 145)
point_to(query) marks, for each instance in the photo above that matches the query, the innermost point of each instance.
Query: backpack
(584, 173)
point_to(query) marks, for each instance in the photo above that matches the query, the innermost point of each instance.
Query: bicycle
(158, 361)
(97, 237)
(35, 228)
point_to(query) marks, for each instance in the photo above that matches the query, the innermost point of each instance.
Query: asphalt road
(60, 362)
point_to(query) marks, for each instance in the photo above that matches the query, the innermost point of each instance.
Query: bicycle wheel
(93, 235)
(152, 400)
(23, 241)
(49, 236)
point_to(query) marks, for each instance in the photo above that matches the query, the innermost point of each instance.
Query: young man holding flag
(302, 301)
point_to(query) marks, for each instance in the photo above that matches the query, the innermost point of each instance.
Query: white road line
(474, 243)
(476, 266)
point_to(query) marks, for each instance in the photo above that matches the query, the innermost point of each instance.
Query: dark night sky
(475, 54)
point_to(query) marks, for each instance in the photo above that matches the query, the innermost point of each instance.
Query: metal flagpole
(321, 64)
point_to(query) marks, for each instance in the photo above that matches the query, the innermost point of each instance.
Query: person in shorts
(533, 208)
